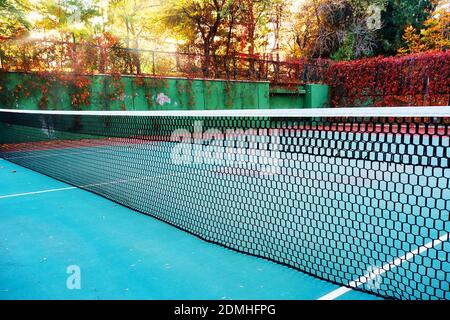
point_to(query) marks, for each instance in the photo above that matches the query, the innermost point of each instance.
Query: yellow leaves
(409, 30)
(434, 36)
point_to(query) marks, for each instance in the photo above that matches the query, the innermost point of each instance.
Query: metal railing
(91, 58)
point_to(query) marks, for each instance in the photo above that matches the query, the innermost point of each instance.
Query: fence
(420, 79)
(16, 55)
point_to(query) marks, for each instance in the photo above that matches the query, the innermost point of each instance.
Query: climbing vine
(417, 79)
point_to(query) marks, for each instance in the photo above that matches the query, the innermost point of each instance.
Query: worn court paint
(123, 254)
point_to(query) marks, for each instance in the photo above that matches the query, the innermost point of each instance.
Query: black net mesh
(362, 202)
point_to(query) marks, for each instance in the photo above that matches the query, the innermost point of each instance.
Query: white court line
(36, 192)
(91, 185)
(387, 267)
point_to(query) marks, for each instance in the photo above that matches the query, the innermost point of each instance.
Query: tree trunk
(207, 58)
(128, 53)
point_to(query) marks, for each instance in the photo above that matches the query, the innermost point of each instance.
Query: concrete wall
(307, 96)
(25, 91)
(105, 92)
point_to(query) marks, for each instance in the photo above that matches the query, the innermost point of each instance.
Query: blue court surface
(47, 226)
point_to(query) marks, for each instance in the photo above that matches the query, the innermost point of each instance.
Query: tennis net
(359, 197)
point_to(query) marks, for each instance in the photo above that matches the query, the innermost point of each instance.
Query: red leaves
(48, 85)
(418, 79)
(78, 87)
(22, 90)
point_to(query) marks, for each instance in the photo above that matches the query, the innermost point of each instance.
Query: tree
(353, 29)
(198, 22)
(12, 18)
(130, 20)
(399, 15)
(70, 19)
(435, 35)
(255, 14)
(322, 26)
(280, 26)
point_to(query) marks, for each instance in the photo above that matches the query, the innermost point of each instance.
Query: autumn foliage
(417, 79)
(435, 35)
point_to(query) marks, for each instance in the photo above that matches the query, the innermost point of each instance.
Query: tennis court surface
(337, 201)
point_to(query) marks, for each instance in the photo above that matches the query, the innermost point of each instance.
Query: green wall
(317, 96)
(287, 98)
(44, 91)
(307, 96)
(105, 92)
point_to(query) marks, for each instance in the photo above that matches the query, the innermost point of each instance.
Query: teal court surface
(47, 226)
(362, 202)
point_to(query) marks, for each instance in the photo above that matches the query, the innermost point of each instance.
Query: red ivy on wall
(49, 83)
(418, 79)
